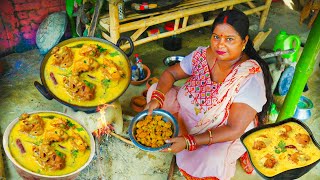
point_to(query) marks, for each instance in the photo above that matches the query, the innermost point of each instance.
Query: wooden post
(114, 21)
(265, 14)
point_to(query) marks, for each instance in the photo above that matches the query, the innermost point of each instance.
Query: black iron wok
(45, 91)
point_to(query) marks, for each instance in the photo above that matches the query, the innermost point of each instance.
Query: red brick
(4, 44)
(51, 3)
(43, 12)
(28, 35)
(23, 14)
(3, 35)
(27, 6)
(25, 22)
(20, 1)
(25, 29)
(54, 9)
(36, 18)
(34, 26)
(63, 7)
(6, 7)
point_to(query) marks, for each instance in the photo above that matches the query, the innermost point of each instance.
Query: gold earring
(243, 48)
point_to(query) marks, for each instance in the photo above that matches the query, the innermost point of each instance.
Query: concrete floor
(123, 161)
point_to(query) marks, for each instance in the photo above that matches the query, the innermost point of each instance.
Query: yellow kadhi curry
(87, 73)
(49, 144)
(281, 148)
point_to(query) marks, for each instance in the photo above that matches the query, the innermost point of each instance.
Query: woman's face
(226, 43)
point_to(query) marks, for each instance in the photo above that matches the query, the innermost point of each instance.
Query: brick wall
(19, 21)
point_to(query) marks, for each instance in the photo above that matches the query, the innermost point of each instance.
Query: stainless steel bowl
(166, 116)
(171, 60)
(303, 110)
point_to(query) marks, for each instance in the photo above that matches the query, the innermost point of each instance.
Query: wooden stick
(95, 17)
(252, 6)
(121, 138)
(171, 169)
(175, 15)
(265, 14)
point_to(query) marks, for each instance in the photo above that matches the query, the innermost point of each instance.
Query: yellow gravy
(282, 158)
(103, 93)
(74, 159)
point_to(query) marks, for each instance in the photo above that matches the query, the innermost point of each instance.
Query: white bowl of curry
(48, 145)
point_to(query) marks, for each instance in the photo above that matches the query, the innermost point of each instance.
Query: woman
(229, 87)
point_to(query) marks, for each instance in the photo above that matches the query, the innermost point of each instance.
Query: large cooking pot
(48, 93)
(289, 174)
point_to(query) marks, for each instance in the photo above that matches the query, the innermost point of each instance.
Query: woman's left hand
(178, 144)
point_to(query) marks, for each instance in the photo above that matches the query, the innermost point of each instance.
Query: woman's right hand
(153, 104)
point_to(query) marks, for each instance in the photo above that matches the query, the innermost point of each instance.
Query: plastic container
(172, 43)
(285, 41)
(273, 114)
(134, 73)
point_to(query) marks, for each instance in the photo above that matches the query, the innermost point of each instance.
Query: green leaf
(105, 82)
(60, 154)
(101, 49)
(77, 46)
(69, 123)
(79, 2)
(80, 129)
(116, 53)
(282, 144)
(69, 7)
(277, 151)
(49, 117)
(74, 153)
(89, 84)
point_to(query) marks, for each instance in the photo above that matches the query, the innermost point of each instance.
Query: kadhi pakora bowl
(166, 126)
(48, 145)
(283, 150)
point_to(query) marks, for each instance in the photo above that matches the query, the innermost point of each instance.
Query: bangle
(210, 137)
(187, 143)
(190, 142)
(159, 93)
(158, 96)
(160, 101)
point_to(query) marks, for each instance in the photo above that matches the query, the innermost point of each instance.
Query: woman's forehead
(225, 29)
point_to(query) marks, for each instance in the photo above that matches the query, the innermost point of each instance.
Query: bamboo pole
(105, 23)
(185, 21)
(265, 14)
(252, 6)
(136, 35)
(114, 22)
(179, 14)
(176, 24)
(302, 73)
(106, 36)
(181, 30)
(170, 33)
(251, 11)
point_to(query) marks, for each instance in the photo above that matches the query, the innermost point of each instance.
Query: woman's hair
(240, 22)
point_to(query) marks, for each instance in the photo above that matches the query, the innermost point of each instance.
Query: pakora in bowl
(149, 132)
